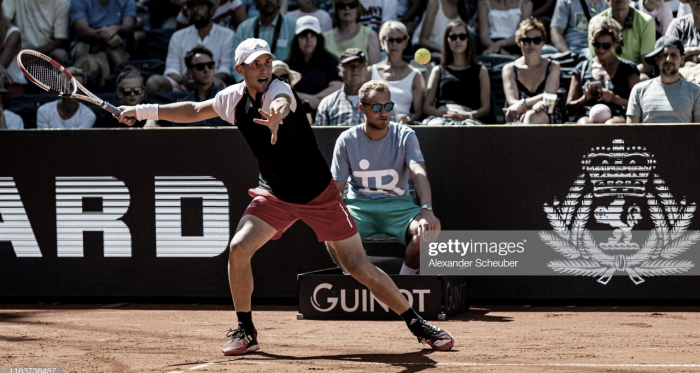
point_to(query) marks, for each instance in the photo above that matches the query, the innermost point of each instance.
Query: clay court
(188, 338)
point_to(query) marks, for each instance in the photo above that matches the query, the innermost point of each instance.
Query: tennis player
(295, 183)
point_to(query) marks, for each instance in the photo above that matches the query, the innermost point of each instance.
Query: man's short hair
(605, 26)
(373, 85)
(197, 50)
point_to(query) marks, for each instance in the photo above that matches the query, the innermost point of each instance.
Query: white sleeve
(278, 88)
(172, 61)
(42, 117)
(226, 100)
(13, 121)
(226, 63)
(87, 118)
(390, 10)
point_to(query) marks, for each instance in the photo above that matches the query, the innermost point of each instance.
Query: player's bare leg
(251, 234)
(350, 255)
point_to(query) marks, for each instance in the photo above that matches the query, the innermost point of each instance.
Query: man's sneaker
(438, 339)
(240, 342)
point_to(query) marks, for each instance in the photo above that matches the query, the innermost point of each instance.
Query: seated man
(43, 23)
(229, 13)
(102, 27)
(217, 39)
(377, 157)
(569, 27)
(66, 112)
(668, 98)
(200, 67)
(340, 108)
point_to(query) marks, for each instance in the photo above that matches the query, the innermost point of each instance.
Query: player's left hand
(271, 120)
(428, 226)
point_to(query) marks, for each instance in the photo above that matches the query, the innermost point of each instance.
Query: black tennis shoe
(240, 342)
(438, 339)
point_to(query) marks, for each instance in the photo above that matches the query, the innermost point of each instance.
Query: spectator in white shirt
(10, 120)
(217, 39)
(307, 8)
(66, 112)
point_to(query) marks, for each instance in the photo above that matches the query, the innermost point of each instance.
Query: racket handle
(114, 110)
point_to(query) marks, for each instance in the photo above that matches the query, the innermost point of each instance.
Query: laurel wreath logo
(585, 257)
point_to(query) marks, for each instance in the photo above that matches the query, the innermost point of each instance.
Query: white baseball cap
(308, 23)
(250, 49)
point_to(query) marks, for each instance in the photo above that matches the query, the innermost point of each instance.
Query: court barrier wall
(150, 212)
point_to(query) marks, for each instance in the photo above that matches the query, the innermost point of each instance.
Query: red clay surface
(158, 338)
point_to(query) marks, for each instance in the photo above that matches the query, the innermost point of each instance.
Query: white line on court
(193, 368)
(565, 365)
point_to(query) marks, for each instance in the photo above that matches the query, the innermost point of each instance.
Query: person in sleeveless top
(459, 89)
(498, 20)
(348, 33)
(406, 83)
(295, 183)
(606, 79)
(438, 15)
(526, 80)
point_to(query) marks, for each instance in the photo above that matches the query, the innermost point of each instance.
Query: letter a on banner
(73, 217)
(14, 222)
(170, 240)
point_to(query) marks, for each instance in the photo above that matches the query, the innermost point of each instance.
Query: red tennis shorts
(326, 214)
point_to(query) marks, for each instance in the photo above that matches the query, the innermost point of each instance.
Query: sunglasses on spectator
(128, 91)
(604, 46)
(536, 40)
(378, 107)
(395, 40)
(201, 66)
(462, 36)
(284, 77)
(341, 6)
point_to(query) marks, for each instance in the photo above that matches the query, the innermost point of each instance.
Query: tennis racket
(50, 76)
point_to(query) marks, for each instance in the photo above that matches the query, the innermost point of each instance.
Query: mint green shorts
(390, 215)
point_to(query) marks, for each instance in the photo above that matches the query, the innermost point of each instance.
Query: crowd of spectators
(511, 54)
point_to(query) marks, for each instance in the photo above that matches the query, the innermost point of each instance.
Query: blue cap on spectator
(663, 42)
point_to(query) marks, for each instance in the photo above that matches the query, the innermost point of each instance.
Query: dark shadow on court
(480, 315)
(410, 362)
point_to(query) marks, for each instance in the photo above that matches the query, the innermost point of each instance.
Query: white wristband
(147, 111)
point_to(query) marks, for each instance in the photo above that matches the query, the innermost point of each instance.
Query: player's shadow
(410, 361)
(480, 315)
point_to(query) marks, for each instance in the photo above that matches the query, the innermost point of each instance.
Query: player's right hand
(127, 112)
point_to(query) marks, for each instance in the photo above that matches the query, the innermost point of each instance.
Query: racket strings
(47, 74)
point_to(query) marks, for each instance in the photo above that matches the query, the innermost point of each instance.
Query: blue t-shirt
(376, 168)
(100, 15)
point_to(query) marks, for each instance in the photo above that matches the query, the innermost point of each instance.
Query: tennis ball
(422, 56)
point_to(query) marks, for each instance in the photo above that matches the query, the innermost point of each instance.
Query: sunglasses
(201, 66)
(604, 46)
(284, 77)
(378, 107)
(397, 40)
(461, 36)
(536, 40)
(341, 6)
(128, 91)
